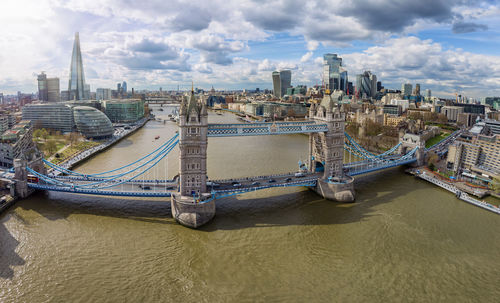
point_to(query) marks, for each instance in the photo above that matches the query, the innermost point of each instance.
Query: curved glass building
(92, 123)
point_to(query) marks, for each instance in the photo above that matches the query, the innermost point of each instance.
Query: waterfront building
(103, 94)
(452, 112)
(76, 85)
(56, 116)
(334, 75)
(476, 153)
(124, 110)
(406, 89)
(16, 143)
(92, 123)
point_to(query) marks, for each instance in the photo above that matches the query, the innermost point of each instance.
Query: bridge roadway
(165, 188)
(265, 128)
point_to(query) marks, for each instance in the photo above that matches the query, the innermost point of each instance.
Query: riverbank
(427, 176)
(4, 205)
(87, 154)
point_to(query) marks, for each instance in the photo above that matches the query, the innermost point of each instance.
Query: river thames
(402, 240)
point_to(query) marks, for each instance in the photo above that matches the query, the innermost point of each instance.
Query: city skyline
(451, 48)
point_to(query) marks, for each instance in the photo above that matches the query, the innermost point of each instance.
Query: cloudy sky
(444, 45)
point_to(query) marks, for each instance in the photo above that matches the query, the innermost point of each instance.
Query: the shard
(76, 87)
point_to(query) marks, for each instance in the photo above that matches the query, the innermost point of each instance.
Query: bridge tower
(410, 141)
(189, 205)
(326, 152)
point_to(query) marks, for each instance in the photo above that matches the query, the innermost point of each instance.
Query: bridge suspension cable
(102, 174)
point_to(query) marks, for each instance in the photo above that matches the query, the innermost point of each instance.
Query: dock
(458, 193)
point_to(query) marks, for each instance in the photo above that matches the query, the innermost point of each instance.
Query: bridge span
(193, 195)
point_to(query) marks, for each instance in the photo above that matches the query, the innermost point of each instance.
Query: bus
(32, 179)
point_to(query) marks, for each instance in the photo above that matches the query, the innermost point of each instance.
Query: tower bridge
(193, 194)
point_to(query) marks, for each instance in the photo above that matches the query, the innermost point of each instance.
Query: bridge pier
(336, 191)
(190, 212)
(20, 178)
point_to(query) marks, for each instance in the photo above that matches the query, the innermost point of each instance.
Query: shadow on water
(8, 255)
(303, 207)
(58, 206)
(306, 207)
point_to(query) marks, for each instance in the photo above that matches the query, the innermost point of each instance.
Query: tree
(51, 147)
(495, 184)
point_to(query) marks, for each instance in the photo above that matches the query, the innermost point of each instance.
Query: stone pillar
(190, 212)
(20, 177)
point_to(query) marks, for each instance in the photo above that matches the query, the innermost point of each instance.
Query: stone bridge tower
(189, 206)
(326, 152)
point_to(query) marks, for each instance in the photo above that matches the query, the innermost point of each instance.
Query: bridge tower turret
(189, 205)
(326, 153)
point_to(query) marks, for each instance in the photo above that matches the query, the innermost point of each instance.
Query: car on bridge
(299, 175)
(271, 181)
(255, 183)
(288, 179)
(236, 184)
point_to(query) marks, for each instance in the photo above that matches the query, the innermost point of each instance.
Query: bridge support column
(188, 212)
(337, 191)
(20, 178)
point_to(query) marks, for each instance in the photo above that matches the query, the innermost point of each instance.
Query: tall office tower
(286, 81)
(124, 87)
(42, 87)
(53, 90)
(76, 85)
(417, 90)
(86, 91)
(428, 93)
(334, 75)
(276, 84)
(103, 94)
(364, 84)
(118, 88)
(406, 89)
(373, 87)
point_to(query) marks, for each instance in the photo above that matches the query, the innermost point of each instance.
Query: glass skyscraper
(334, 75)
(282, 80)
(76, 85)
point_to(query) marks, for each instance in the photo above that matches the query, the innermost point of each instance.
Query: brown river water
(402, 240)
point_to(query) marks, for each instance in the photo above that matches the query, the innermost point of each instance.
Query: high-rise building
(334, 75)
(417, 90)
(406, 89)
(119, 88)
(42, 87)
(53, 91)
(286, 81)
(366, 84)
(428, 93)
(48, 88)
(76, 86)
(373, 80)
(103, 93)
(124, 87)
(276, 84)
